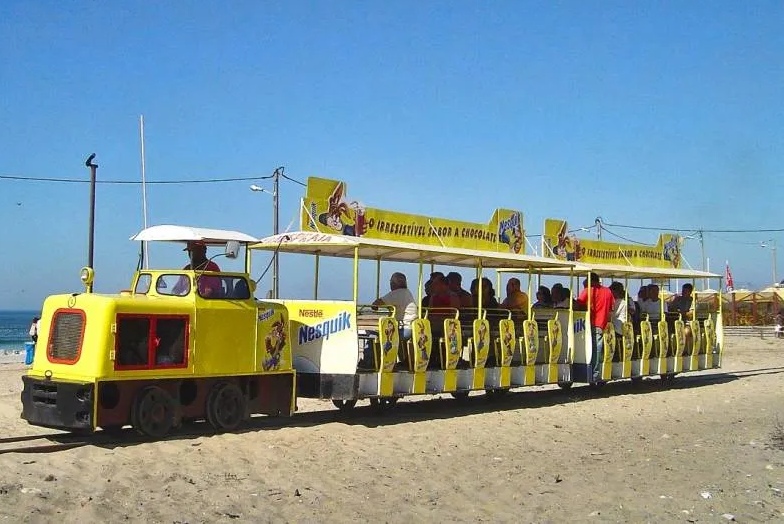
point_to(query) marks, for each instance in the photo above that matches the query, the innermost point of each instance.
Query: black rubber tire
(460, 394)
(565, 385)
(496, 394)
(344, 405)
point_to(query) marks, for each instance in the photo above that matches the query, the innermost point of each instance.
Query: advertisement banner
(327, 210)
(559, 243)
(323, 336)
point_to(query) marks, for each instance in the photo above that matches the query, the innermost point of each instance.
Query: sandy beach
(703, 450)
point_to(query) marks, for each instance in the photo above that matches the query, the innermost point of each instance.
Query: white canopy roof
(168, 233)
(627, 271)
(311, 243)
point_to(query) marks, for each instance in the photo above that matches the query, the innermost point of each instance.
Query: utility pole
(275, 229)
(772, 245)
(274, 292)
(598, 223)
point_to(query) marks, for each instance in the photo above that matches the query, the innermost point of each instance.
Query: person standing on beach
(34, 330)
(601, 314)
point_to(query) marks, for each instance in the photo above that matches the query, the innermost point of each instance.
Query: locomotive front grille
(44, 393)
(65, 339)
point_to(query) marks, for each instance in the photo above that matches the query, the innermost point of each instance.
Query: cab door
(224, 332)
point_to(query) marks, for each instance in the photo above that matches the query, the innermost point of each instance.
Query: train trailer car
(346, 350)
(179, 345)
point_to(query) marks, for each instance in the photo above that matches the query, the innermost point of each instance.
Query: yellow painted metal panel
(479, 378)
(450, 380)
(506, 376)
(530, 375)
(420, 381)
(387, 384)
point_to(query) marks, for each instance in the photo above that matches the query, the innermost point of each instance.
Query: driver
(208, 286)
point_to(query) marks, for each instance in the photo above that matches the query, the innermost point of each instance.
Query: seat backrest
(481, 343)
(646, 338)
(555, 339)
(627, 341)
(389, 342)
(664, 338)
(531, 340)
(507, 340)
(680, 337)
(421, 341)
(453, 343)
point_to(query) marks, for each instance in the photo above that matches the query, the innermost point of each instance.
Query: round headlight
(87, 275)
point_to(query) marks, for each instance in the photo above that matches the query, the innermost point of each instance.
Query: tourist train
(184, 344)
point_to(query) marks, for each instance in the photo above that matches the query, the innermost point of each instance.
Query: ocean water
(14, 329)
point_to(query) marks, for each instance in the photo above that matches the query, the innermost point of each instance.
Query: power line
(678, 229)
(138, 182)
(292, 180)
(622, 237)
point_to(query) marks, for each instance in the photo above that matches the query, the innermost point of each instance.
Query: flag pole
(145, 252)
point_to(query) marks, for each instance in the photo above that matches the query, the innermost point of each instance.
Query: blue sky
(654, 114)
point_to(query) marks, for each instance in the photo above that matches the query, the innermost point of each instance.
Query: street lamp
(771, 243)
(275, 194)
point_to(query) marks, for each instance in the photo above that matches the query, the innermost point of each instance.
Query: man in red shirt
(208, 287)
(601, 310)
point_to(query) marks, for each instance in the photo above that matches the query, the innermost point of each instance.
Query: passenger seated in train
(488, 294)
(455, 283)
(560, 296)
(682, 304)
(652, 305)
(642, 297)
(620, 311)
(543, 297)
(440, 298)
(428, 292)
(405, 306)
(516, 299)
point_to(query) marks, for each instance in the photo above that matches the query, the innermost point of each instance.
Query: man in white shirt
(403, 301)
(620, 307)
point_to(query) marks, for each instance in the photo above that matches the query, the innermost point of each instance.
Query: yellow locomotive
(163, 351)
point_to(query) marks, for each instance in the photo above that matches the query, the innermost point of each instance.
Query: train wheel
(565, 385)
(153, 412)
(460, 394)
(344, 405)
(226, 406)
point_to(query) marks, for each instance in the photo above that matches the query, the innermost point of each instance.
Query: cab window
(173, 285)
(225, 287)
(147, 342)
(143, 284)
